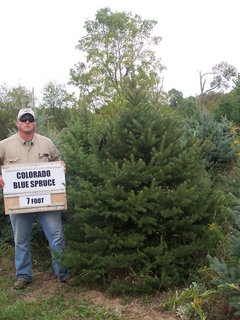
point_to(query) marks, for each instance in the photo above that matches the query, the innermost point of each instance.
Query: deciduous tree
(218, 79)
(116, 46)
(56, 104)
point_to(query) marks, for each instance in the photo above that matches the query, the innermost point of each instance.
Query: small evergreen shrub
(227, 270)
(218, 141)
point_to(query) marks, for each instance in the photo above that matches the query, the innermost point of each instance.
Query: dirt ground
(47, 285)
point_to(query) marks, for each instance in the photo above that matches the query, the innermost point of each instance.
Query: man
(26, 146)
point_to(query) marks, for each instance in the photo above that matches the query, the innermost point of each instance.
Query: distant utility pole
(33, 98)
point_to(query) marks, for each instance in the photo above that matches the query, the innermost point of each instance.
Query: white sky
(38, 38)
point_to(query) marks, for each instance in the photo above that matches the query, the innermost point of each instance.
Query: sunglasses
(29, 119)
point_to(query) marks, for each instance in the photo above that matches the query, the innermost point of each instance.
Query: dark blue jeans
(22, 227)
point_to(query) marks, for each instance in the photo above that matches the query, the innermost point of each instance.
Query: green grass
(56, 308)
(27, 305)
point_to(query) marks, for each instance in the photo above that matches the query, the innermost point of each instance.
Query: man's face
(26, 124)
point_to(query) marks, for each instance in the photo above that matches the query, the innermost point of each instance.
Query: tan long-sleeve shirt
(14, 150)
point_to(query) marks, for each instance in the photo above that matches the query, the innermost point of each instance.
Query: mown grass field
(45, 299)
(48, 299)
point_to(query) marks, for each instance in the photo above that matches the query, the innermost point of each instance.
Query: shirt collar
(24, 142)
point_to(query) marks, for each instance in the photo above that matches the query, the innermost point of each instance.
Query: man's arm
(1, 182)
(1, 163)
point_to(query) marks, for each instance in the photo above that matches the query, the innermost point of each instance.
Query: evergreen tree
(218, 140)
(226, 275)
(140, 196)
(227, 271)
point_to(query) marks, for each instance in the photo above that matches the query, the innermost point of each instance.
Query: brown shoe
(65, 279)
(20, 283)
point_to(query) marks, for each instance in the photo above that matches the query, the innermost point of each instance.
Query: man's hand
(64, 166)
(1, 182)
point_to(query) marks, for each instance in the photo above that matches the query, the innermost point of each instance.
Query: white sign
(41, 177)
(33, 188)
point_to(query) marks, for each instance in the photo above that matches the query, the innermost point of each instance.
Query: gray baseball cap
(24, 111)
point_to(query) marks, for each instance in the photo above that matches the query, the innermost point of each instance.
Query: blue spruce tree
(140, 197)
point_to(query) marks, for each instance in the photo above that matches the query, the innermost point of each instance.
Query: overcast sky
(38, 38)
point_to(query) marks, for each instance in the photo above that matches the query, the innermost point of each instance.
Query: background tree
(116, 45)
(218, 138)
(175, 98)
(225, 273)
(56, 105)
(236, 87)
(11, 100)
(219, 78)
(228, 107)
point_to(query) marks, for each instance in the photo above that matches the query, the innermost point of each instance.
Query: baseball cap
(24, 111)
